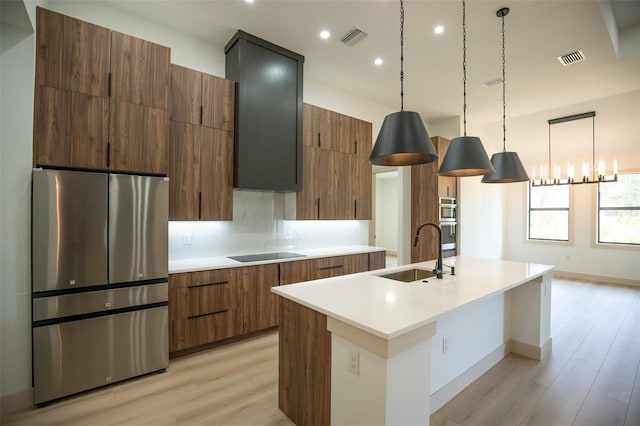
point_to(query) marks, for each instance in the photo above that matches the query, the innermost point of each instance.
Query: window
(619, 210)
(549, 213)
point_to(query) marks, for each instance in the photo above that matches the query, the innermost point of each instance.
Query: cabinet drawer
(214, 276)
(191, 332)
(188, 302)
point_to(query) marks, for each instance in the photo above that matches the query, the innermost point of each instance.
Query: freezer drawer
(138, 227)
(69, 221)
(67, 305)
(79, 355)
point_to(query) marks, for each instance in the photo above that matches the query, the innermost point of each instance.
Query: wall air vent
(353, 37)
(572, 58)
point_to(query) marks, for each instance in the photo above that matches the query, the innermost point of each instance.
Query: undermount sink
(409, 275)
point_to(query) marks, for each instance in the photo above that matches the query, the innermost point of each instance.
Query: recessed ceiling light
(438, 29)
(378, 61)
(324, 34)
(249, 1)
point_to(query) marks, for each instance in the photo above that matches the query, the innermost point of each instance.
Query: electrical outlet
(445, 344)
(186, 238)
(353, 362)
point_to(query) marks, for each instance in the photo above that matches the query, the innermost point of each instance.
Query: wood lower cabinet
(261, 305)
(205, 307)
(304, 365)
(377, 260)
(326, 267)
(208, 306)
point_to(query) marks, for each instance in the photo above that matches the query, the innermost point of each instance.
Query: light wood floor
(591, 377)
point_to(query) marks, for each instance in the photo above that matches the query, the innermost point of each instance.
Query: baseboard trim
(16, 402)
(530, 351)
(596, 278)
(457, 385)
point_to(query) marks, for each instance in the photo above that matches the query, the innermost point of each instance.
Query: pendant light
(403, 140)
(466, 155)
(508, 166)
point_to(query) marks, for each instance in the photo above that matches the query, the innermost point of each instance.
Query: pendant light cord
(504, 103)
(464, 66)
(401, 55)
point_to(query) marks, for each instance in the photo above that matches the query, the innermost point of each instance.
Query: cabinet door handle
(199, 205)
(201, 114)
(208, 313)
(330, 267)
(318, 209)
(355, 209)
(318, 139)
(356, 143)
(109, 85)
(108, 154)
(209, 284)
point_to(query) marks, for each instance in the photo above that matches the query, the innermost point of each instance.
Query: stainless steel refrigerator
(99, 279)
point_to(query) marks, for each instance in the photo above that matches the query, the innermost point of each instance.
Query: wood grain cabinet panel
(138, 138)
(140, 71)
(447, 185)
(337, 177)
(71, 54)
(377, 260)
(262, 306)
(72, 128)
(216, 174)
(218, 103)
(186, 95)
(305, 365)
(184, 171)
(201, 173)
(113, 112)
(424, 208)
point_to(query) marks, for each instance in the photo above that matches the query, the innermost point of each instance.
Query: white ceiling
(537, 32)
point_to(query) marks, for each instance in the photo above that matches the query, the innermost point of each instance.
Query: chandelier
(553, 175)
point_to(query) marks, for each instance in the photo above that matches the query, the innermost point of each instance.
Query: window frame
(598, 208)
(568, 241)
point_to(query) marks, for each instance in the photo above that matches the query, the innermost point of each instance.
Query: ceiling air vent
(353, 37)
(572, 58)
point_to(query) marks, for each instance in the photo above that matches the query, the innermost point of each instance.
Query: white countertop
(206, 263)
(387, 308)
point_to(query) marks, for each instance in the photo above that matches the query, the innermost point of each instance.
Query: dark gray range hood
(268, 128)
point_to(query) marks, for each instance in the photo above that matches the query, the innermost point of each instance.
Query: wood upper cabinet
(201, 173)
(202, 99)
(261, 305)
(424, 208)
(110, 108)
(138, 138)
(336, 173)
(71, 128)
(72, 54)
(218, 103)
(140, 71)
(447, 185)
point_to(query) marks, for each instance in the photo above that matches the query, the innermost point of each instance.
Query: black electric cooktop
(265, 256)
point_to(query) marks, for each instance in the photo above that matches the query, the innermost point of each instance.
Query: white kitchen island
(376, 334)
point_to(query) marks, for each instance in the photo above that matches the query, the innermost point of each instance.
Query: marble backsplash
(259, 226)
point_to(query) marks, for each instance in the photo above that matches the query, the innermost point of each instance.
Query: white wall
(16, 134)
(387, 210)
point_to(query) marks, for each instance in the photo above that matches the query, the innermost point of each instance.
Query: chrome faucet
(438, 269)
